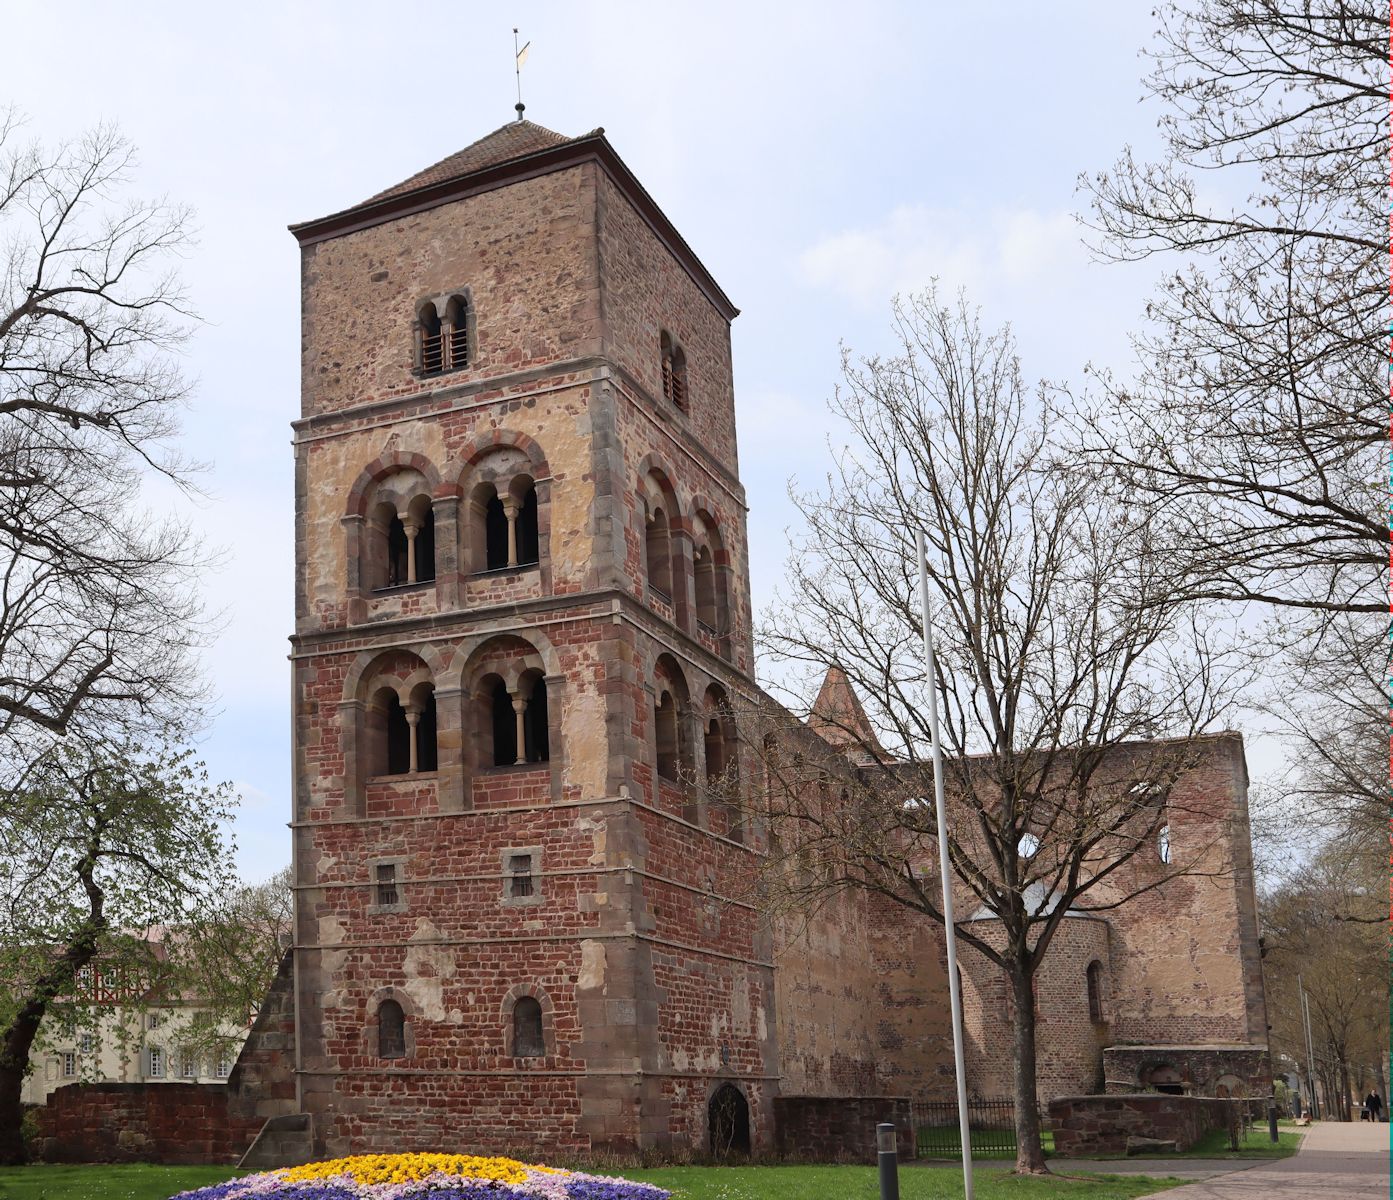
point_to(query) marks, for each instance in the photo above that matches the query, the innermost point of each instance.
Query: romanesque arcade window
(711, 581)
(402, 550)
(674, 371)
(506, 528)
(442, 342)
(391, 1030)
(657, 553)
(529, 1041)
(673, 754)
(402, 737)
(512, 716)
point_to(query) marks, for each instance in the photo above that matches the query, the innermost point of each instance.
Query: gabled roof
(514, 152)
(838, 718)
(516, 139)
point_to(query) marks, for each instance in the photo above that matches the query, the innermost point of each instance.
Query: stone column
(411, 529)
(413, 719)
(511, 509)
(519, 709)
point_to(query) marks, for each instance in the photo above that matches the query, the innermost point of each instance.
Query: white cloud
(986, 253)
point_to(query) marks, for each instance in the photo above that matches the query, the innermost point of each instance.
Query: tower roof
(516, 139)
(513, 152)
(837, 716)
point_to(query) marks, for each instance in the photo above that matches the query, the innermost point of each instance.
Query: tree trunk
(1030, 1156)
(14, 1059)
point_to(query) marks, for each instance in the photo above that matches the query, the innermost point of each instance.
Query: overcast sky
(818, 157)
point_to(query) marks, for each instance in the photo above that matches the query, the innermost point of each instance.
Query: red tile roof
(517, 139)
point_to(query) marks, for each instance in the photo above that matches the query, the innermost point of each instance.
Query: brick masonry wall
(136, 1122)
(843, 1129)
(1243, 1070)
(1085, 1125)
(1068, 1050)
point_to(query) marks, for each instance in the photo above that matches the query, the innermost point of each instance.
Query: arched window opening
(397, 550)
(708, 609)
(495, 534)
(728, 1121)
(1095, 991)
(457, 337)
(391, 1030)
(1165, 1078)
(420, 534)
(715, 751)
(665, 723)
(534, 724)
(528, 1038)
(1163, 844)
(656, 554)
(528, 540)
(432, 341)
(420, 716)
(505, 726)
(396, 759)
(674, 371)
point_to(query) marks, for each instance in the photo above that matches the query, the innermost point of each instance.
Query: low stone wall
(1203, 1070)
(836, 1130)
(142, 1122)
(1085, 1125)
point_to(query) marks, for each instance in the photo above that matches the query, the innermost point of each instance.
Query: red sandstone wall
(1085, 1125)
(137, 1122)
(526, 253)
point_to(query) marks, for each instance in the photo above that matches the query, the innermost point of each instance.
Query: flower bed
(428, 1176)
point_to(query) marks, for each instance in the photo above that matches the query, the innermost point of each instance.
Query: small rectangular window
(387, 885)
(189, 1069)
(520, 882)
(87, 1043)
(154, 1020)
(156, 1056)
(84, 978)
(69, 1064)
(223, 1068)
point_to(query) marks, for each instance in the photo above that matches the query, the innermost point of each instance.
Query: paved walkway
(1337, 1161)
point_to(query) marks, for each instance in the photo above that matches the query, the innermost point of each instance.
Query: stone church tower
(522, 621)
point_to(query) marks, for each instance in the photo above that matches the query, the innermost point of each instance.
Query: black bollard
(1272, 1119)
(889, 1162)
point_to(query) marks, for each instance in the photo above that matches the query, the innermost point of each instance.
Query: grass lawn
(143, 1182)
(860, 1183)
(1215, 1144)
(107, 1181)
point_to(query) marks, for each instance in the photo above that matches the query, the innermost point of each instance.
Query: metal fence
(991, 1126)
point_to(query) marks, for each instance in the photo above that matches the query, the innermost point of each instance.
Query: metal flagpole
(940, 812)
(1310, 1051)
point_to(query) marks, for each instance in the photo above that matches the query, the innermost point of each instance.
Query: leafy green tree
(105, 845)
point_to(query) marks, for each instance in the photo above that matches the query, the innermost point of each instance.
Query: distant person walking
(1374, 1103)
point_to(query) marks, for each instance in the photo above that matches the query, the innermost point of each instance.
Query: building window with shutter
(155, 1062)
(69, 1064)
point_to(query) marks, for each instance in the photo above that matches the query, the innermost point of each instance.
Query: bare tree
(106, 841)
(97, 608)
(1327, 924)
(1069, 707)
(1254, 436)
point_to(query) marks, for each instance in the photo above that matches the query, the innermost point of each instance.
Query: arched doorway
(728, 1118)
(1165, 1078)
